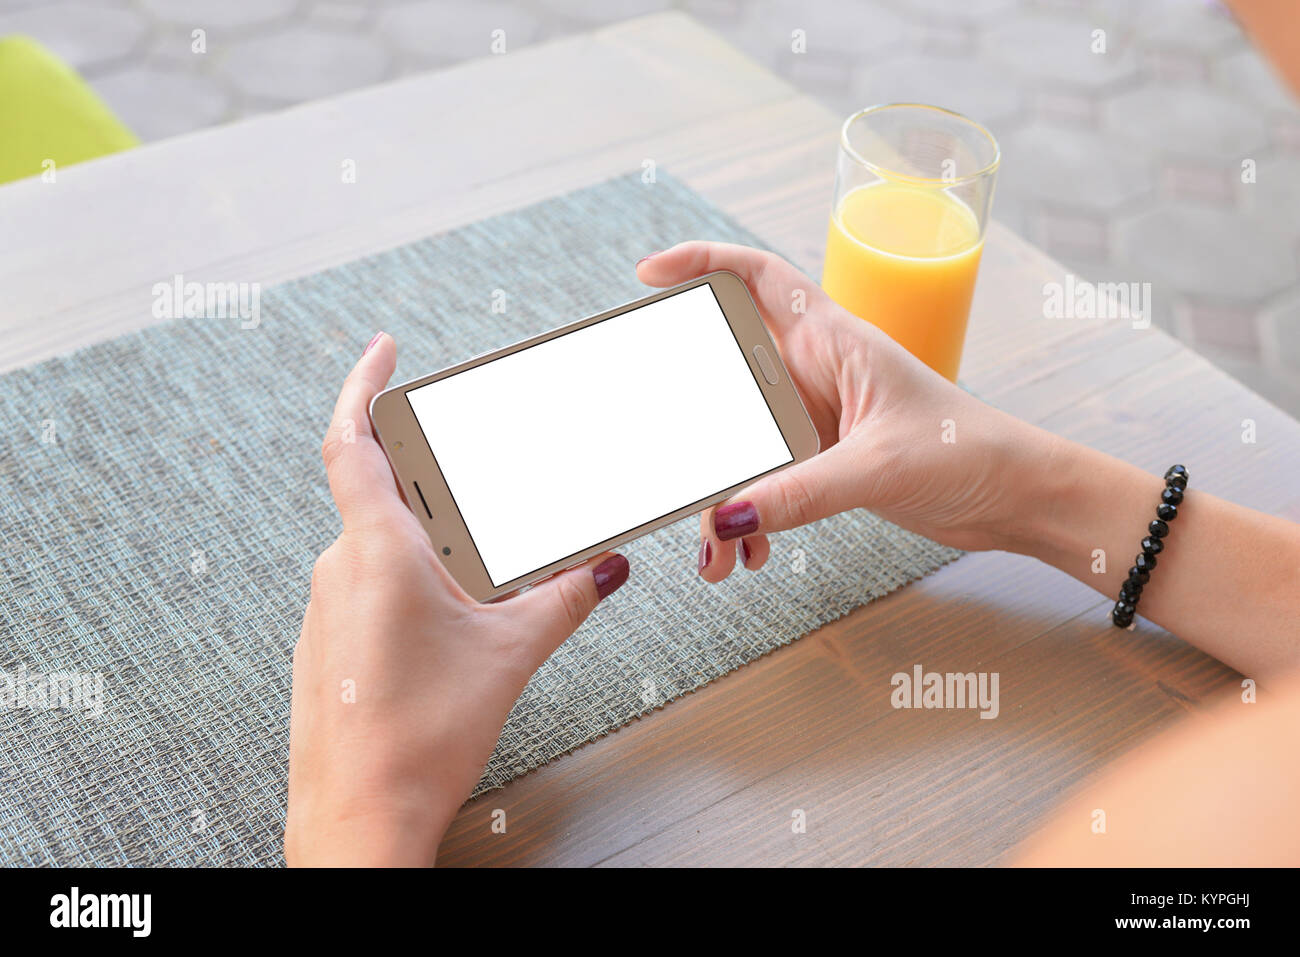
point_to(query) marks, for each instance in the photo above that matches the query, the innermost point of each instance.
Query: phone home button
(766, 365)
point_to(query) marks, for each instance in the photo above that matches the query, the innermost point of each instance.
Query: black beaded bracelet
(1175, 485)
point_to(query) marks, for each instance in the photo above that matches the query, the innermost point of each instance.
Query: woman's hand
(896, 437)
(902, 441)
(401, 681)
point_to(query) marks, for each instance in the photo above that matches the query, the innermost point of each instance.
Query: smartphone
(529, 460)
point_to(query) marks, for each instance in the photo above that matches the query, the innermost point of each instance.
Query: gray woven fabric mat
(162, 502)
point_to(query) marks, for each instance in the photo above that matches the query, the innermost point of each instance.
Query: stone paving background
(1126, 166)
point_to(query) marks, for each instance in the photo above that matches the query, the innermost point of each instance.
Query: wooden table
(715, 777)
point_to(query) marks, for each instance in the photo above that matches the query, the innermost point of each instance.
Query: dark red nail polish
(735, 520)
(371, 344)
(610, 575)
(744, 553)
(706, 553)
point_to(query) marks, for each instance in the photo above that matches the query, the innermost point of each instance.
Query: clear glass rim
(886, 173)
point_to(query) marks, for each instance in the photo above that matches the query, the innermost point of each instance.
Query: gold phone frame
(431, 501)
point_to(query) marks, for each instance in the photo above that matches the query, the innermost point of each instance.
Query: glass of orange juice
(913, 189)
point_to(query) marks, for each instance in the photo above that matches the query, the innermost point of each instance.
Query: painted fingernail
(610, 574)
(735, 520)
(644, 258)
(706, 553)
(743, 548)
(371, 344)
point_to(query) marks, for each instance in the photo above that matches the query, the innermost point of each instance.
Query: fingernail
(706, 553)
(734, 520)
(371, 344)
(644, 258)
(610, 574)
(744, 553)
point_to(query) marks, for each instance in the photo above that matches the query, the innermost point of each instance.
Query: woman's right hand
(896, 437)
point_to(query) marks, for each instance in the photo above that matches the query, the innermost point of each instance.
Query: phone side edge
(789, 410)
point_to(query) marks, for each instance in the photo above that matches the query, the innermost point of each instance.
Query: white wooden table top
(711, 778)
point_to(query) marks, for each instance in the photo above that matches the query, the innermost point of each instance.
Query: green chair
(47, 112)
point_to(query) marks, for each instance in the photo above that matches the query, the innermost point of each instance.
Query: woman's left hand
(402, 682)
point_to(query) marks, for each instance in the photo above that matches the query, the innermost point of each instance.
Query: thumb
(551, 611)
(825, 485)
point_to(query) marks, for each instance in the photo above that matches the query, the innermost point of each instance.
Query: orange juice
(904, 258)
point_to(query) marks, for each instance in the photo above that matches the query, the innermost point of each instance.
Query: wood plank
(943, 787)
(765, 716)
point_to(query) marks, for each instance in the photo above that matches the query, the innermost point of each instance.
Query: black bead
(1130, 592)
(1172, 496)
(1177, 481)
(1177, 470)
(1152, 545)
(1121, 622)
(1139, 575)
(1123, 610)
(1158, 529)
(1166, 512)
(1145, 562)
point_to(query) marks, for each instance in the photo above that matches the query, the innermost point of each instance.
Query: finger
(552, 610)
(715, 560)
(781, 291)
(360, 477)
(752, 552)
(825, 485)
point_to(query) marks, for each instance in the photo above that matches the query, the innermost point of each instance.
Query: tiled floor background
(1125, 165)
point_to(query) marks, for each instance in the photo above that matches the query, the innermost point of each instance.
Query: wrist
(1023, 472)
(364, 831)
(1044, 471)
(1082, 511)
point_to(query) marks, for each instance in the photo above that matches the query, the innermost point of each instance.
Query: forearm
(1227, 581)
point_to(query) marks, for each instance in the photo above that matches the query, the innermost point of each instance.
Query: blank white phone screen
(569, 443)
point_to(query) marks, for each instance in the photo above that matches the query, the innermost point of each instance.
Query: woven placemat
(162, 501)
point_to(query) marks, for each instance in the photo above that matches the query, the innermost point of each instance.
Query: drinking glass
(913, 190)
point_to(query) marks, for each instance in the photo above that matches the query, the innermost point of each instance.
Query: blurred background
(1125, 166)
